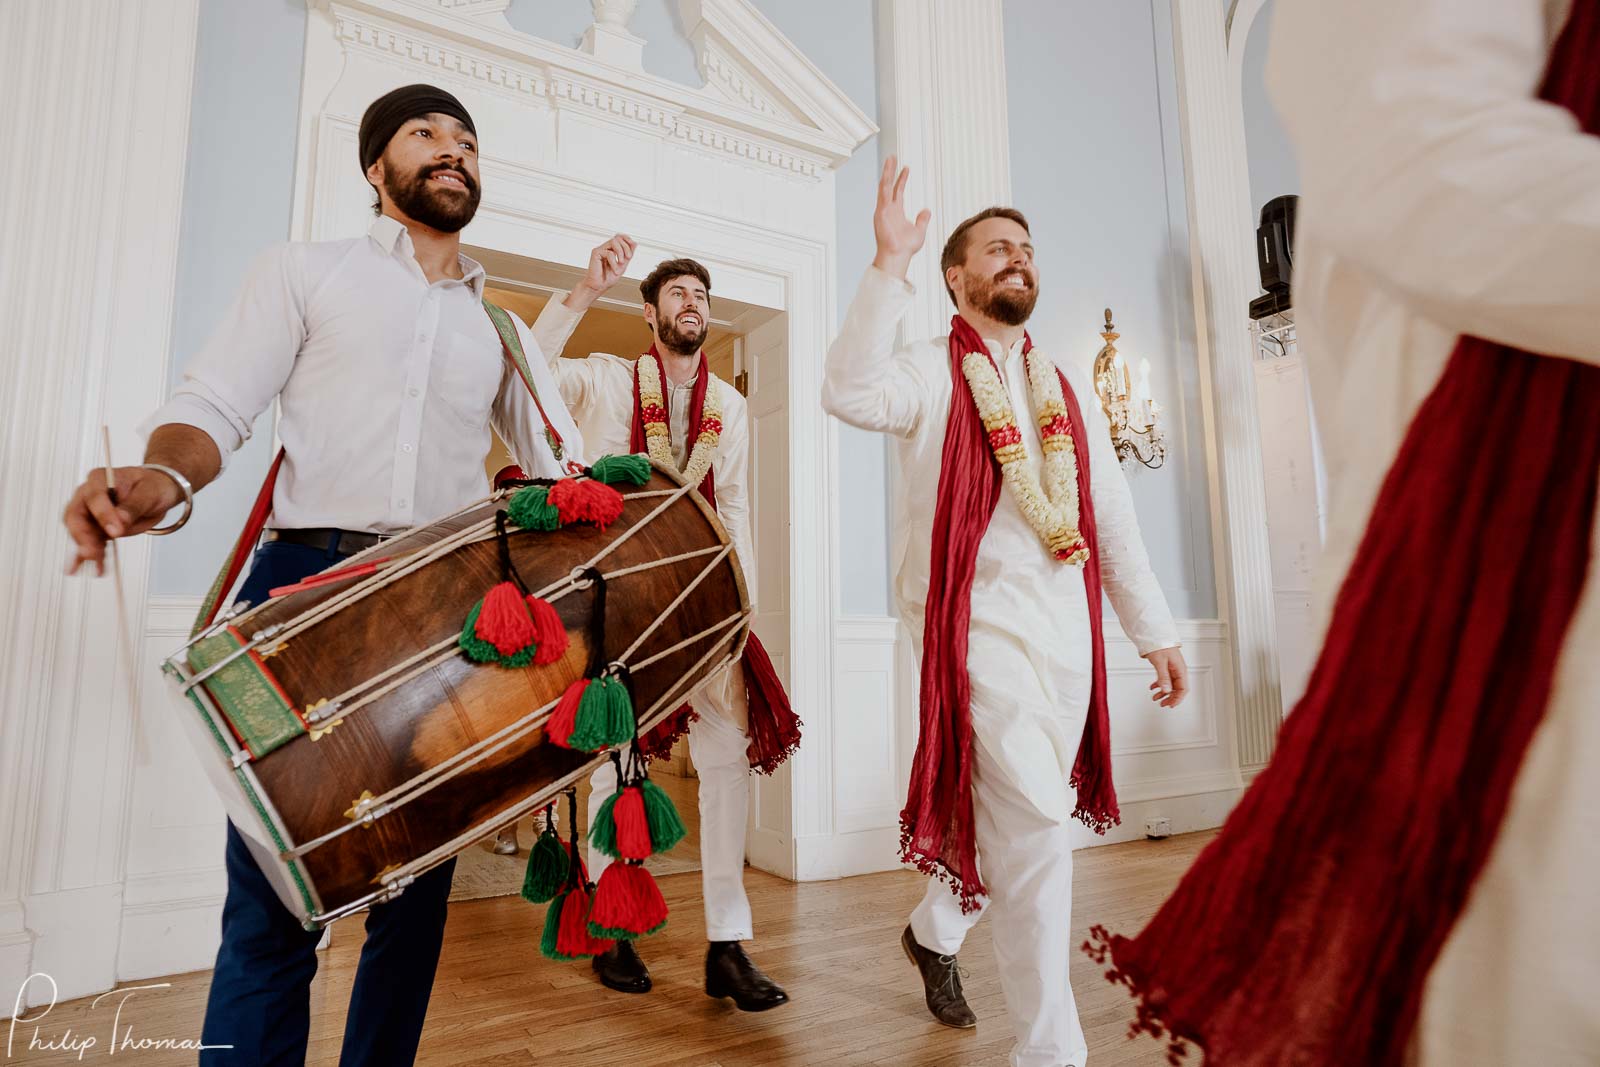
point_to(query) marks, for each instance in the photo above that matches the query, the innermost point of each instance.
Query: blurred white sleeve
(1427, 160)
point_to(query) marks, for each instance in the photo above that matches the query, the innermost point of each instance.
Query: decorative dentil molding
(764, 101)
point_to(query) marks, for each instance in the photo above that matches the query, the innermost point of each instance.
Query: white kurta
(1440, 198)
(1028, 609)
(1028, 657)
(599, 391)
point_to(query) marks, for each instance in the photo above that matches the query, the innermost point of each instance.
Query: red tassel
(503, 621)
(633, 827)
(585, 500)
(549, 635)
(564, 719)
(627, 903)
(572, 939)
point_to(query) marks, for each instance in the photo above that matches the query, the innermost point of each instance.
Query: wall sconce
(1129, 407)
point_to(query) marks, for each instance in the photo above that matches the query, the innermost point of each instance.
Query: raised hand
(607, 263)
(899, 238)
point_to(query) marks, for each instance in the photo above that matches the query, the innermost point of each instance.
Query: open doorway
(747, 347)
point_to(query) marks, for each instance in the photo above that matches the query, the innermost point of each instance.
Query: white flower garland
(1051, 508)
(658, 434)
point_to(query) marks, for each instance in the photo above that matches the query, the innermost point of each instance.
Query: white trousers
(718, 749)
(1021, 734)
(1026, 860)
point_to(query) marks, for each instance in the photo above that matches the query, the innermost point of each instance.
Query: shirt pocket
(465, 377)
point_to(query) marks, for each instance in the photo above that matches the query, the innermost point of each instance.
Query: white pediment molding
(793, 119)
(748, 60)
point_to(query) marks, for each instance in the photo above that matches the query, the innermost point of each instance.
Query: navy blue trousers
(260, 1000)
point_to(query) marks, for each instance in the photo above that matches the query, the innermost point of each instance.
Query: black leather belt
(341, 542)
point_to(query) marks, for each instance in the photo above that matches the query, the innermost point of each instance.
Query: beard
(1002, 303)
(685, 342)
(434, 206)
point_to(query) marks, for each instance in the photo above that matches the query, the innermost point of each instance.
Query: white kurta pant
(1024, 851)
(718, 748)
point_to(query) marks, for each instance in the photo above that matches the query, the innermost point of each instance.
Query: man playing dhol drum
(389, 375)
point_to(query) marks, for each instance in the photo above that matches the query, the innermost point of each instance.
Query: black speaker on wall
(1275, 256)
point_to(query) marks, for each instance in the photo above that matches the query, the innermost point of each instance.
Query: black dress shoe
(729, 973)
(620, 968)
(941, 984)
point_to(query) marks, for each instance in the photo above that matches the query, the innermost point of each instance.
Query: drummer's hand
(607, 264)
(143, 497)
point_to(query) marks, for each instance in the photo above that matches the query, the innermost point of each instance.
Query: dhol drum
(355, 731)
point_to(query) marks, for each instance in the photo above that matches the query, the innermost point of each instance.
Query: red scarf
(936, 827)
(774, 727)
(1305, 932)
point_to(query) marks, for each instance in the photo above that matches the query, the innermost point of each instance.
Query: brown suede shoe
(941, 984)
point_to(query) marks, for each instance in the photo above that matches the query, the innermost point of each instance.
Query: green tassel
(477, 649)
(666, 828)
(605, 717)
(615, 469)
(480, 651)
(530, 509)
(548, 867)
(603, 834)
(552, 929)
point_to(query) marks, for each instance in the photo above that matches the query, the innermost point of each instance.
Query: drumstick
(124, 634)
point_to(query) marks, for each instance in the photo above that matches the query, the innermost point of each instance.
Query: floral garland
(658, 435)
(1052, 508)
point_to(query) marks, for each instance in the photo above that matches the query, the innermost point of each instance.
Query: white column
(91, 229)
(1225, 282)
(942, 98)
(942, 111)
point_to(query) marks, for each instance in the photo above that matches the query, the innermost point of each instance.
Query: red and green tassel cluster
(635, 823)
(566, 933)
(585, 499)
(513, 629)
(594, 713)
(566, 923)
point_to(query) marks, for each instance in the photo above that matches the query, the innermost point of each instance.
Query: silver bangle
(188, 497)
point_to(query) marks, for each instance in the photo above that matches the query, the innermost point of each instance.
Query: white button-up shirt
(388, 384)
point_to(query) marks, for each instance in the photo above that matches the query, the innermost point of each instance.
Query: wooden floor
(833, 945)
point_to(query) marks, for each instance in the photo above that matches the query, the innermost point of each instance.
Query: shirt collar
(390, 235)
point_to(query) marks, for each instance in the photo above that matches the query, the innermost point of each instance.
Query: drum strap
(233, 566)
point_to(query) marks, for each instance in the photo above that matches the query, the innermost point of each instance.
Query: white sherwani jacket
(1028, 654)
(1440, 198)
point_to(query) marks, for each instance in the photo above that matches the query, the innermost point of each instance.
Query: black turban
(393, 110)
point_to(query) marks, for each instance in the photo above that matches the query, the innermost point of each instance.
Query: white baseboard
(171, 923)
(821, 857)
(75, 940)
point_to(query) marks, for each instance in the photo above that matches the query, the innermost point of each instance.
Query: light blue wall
(1097, 166)
(1273, 168)
(839, 37)
(238, 187)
